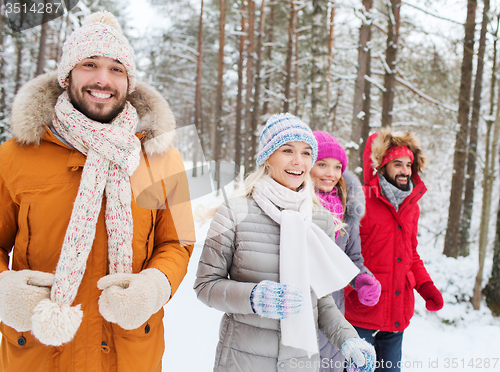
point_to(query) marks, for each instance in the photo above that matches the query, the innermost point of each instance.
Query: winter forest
(347, 67)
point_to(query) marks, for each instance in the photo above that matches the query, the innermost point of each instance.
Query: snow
(457, 336)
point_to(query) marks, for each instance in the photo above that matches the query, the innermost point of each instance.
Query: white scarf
(112, 156)
(309, 258)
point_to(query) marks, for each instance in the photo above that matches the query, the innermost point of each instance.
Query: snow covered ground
(456, 338)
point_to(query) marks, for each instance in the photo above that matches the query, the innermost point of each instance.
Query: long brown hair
(342, 193)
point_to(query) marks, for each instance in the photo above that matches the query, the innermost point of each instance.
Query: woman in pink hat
(340, 192)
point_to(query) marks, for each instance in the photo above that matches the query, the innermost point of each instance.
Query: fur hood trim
(355, 199)
(387, 138)
(33, 109)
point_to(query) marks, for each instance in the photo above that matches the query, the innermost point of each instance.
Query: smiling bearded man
(84, 269)
(392, 161)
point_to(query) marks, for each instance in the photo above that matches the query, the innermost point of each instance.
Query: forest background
(347, 67)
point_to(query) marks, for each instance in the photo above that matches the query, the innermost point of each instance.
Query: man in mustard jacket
(96, 227)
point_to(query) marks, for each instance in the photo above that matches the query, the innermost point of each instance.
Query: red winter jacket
(389, 247)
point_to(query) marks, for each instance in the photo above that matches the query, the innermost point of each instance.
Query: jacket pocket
(150, 242)
(21, 351)
(374, 316)
(411, 279)
(409, 309)
(225, 339)
(20, 340)
(146, 341)
(23, 238)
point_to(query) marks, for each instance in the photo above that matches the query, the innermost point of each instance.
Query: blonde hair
(204, 213)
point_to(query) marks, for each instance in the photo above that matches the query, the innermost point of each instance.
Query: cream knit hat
(100, 35)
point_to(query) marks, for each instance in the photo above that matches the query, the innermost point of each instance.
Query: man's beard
(393, 182)
(85, 107)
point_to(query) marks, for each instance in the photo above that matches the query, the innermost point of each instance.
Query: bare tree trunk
(19, 61)
(289, 54)
(249, 164)
(3, 107)
(485, 212)
(64, 25)
(197, 100)
(365, 129)
(320, 61)
(239, 98)
(390, 59)
(255, 115)
(218, 127)
(66, 31)
(297, 67)
(269, 50)
(355, 153)
(40, 64)
(464, 239)
(331, 43)
(492, 289)
(489, 171)
(457, 181)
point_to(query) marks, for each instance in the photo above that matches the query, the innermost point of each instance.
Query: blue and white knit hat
(281, 129)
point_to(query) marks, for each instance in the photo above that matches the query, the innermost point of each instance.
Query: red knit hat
(396, 152)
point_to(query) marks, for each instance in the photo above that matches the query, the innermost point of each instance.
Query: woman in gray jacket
(270, 263)
(340, 192)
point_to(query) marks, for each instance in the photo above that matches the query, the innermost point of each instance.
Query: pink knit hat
(101, 36)
(329, 147)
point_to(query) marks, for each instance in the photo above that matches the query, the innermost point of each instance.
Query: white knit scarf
(112, 152)
(309, 258)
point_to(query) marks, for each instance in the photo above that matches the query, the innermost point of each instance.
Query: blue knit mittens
(360, 355)
(275, 300)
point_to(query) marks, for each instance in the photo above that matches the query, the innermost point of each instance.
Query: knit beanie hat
(329, 147)
(101, 36)
(281, 129)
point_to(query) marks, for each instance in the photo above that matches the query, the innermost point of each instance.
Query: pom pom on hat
(281, 129)
(329, 147)
(99, 36)
(102, 17)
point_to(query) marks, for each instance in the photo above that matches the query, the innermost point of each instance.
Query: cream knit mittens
(275, 300)
(129, 300)
(20, 292)
(360, 355)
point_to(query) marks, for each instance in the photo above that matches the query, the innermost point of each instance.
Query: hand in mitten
(275, 300)
(368, 288)
(360, 355)
(432, 296)
(129, 300)
(20, 292)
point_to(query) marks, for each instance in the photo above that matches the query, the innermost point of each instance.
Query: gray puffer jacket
(242, 249)
(350, 243)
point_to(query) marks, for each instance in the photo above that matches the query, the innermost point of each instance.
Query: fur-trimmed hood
(378, 144)
(33, 109)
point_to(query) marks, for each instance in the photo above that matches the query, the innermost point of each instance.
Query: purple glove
(368, 289)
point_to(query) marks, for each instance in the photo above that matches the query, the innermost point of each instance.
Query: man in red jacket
(392, 162)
